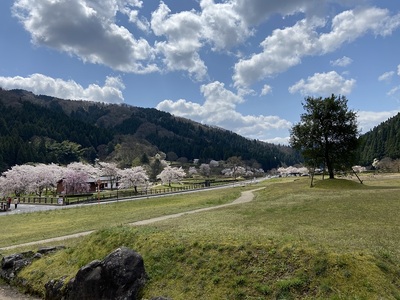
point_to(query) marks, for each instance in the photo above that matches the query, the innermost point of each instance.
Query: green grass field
(338, 240)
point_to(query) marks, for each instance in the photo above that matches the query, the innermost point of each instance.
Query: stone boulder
(12, 264)
(120, 276)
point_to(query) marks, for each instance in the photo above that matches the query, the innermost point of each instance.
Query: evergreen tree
(327, 133)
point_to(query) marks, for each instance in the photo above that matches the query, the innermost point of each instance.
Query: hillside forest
(43, 129)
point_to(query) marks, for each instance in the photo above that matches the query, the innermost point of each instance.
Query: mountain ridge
(51, 129)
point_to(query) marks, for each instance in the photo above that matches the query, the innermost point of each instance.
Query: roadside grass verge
(22, 228)
(334, 241)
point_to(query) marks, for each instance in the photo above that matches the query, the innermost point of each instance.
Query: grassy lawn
(21, 228)
(338, 240)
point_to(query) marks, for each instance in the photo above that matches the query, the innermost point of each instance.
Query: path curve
(245, 197)
(11, 293)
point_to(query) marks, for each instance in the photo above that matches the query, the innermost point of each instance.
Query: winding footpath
(11, 293)
(245, 197)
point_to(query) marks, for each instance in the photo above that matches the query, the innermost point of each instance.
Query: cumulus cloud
(110, 92)
(86, 29)
(219, 109)
(281, 50)
(323, 84)
(223, 26)
(90, 31)
(187, 32)
(183, 33)
(260, 10)
(342, 62)
(285, 48)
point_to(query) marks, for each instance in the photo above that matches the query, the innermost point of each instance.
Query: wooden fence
(117, 194)
(105, 196)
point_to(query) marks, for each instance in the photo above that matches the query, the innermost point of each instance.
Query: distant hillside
(46, 129)
(382, 141)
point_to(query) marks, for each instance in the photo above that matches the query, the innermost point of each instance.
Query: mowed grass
(338, 240)
(22, 228)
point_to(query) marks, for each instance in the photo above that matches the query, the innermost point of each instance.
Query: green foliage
(327, 133)
(382, 141)
(32, 133)
(30, 125)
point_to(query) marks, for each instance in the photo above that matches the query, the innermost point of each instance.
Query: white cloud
(285, 48)
(223, 27)
(187, 32)
(219, 109)
(259, 10)
(88, 30)
(183, 33)
(281, 50)
(111, 92)
(387, 76)
(350, 25)
(279, 140)
(393, 91)
(323, 84)
(266, 90)
(367, 120)
(342, 62)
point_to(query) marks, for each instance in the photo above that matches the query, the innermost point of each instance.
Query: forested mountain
(46, 129)
(383, 141)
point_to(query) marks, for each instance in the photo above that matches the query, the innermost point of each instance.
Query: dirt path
(246, 196)
(10, 293)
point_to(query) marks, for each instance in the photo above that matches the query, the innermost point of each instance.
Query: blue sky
(243, 65)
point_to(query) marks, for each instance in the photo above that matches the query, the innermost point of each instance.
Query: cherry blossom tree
(192, 171)
(75, 178)
(3, 191)
(292, 171)
(205, 169)
(44, 177)
(213, 163)
(227, 172)
(240, 171)
(111, 172)
(234, 163)
(18, 179)
(134, 177)
(359, 169)
(171, 174)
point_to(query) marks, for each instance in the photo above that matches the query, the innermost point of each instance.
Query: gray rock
(55, 289)
(12, 264)
(120, 276)
(46, 250)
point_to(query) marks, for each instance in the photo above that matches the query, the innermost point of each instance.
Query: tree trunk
(330, 170)
(329, 166)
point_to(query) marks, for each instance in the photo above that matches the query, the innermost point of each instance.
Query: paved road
(28, 208)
